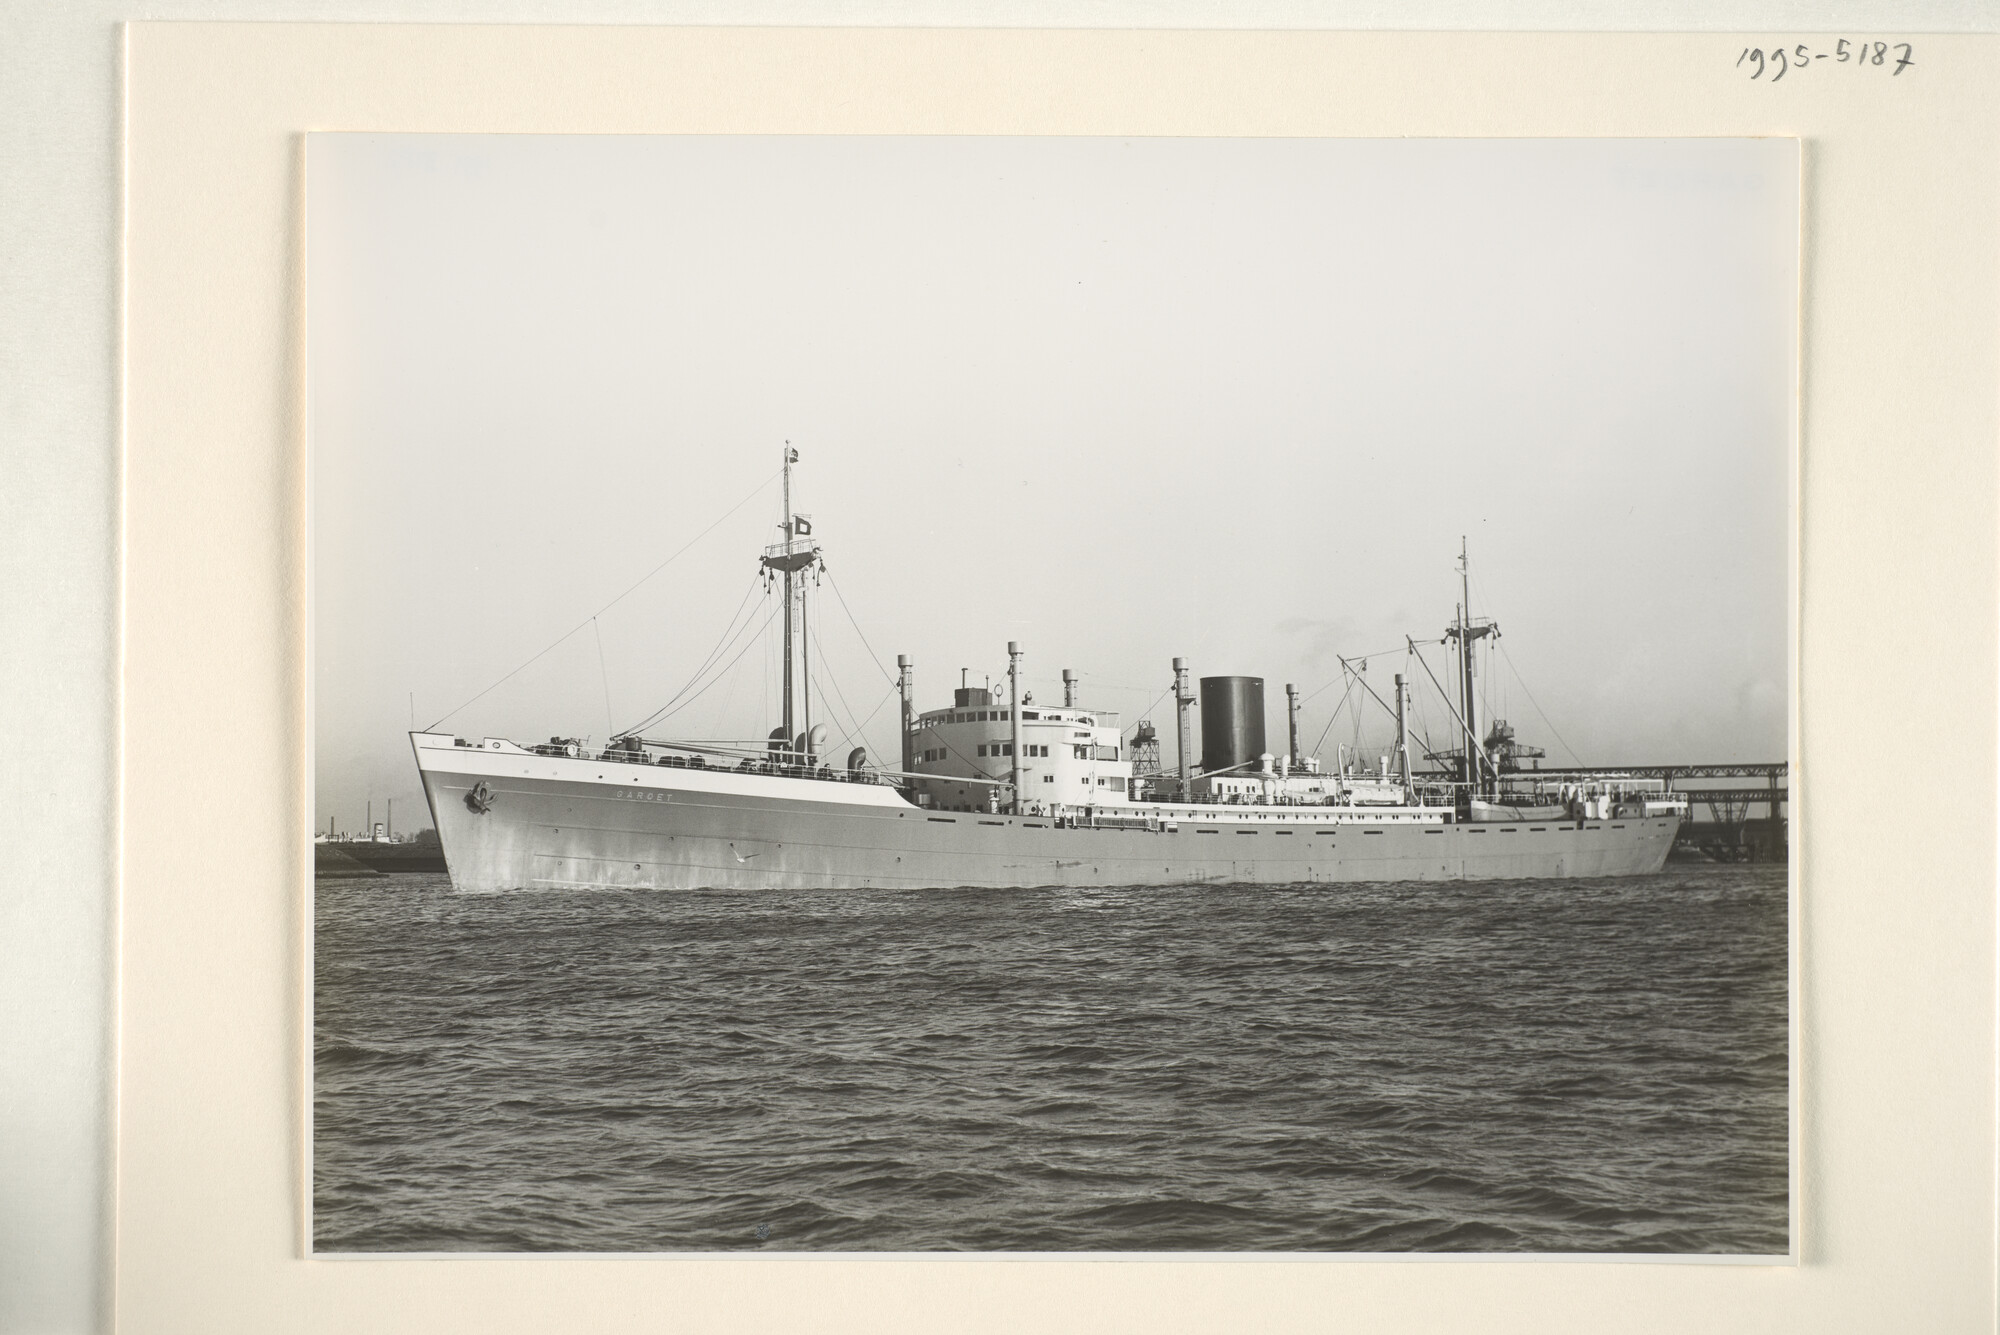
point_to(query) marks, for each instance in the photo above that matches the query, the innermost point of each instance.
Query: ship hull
(509, 819)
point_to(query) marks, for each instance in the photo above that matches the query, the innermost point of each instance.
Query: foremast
(790, 559)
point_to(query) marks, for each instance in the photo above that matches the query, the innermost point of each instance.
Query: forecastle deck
(512, 819)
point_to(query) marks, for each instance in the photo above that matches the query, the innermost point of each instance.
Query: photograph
(801, 626)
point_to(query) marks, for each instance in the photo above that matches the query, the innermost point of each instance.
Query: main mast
(1466, 632)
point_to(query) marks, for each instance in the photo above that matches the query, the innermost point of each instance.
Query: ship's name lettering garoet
(637, 795)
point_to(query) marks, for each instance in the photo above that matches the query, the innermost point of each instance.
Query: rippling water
(1528, 1066)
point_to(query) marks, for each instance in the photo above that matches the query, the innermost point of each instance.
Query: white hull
(561, 821)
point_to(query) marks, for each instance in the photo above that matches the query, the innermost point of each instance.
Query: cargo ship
(998, 792)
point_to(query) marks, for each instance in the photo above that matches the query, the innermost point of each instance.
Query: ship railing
(786, 767)
(792, 546)
(1420, 795)
(1092, 818)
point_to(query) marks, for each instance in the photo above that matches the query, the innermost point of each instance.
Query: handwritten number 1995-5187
(1895, 57)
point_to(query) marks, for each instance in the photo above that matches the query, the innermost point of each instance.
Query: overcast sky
(1119, 400)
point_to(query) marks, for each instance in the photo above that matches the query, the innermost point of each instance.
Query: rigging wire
(852, 622)
(1486, 686)
(1333, 718)
(831, 715)
(1353, 659)
(721, 706)
(1417, 701)
(765, 701)
(887, 696)
(728, 633)
(826, 675)
(723, 672)
(1479, 587)
(722, 646)
(1423, 725)
(749, 644)
(603, 675)
(614, 602)
(849, 732)
(1087, 678)
(1574, 757)
(728, 639)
